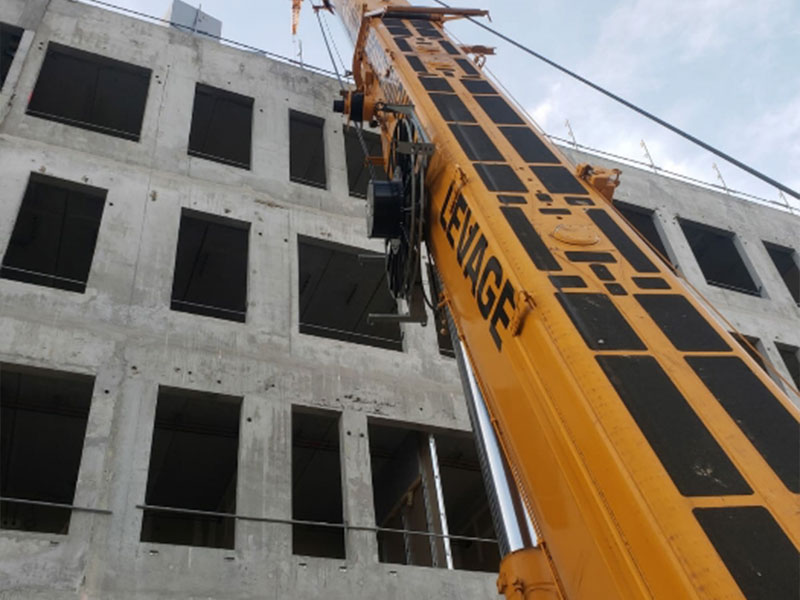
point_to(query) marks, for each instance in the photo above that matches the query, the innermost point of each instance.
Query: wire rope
(635, 108)
(358, 126)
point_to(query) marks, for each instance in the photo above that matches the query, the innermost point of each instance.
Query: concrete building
(193, 402)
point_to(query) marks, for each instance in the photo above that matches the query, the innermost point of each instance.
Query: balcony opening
(43, 416)
(307, 149)
(430, 503)
(791, 358)
(316, 485)
(643, 220)
(222, 126)
(719, 258)
(358, 172)
(786, 261)
(211, 266)
(91, 91)
(340, 286)
(10, 37)
(193, 467)
(53, 240)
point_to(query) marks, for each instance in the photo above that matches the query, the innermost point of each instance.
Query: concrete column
(264, 480)
(684, 258)
(131, 462)
(361, 546)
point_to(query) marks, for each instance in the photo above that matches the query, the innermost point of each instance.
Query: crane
(632, 449)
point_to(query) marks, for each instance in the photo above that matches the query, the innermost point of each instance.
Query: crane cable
(358, 126)
(635, 108)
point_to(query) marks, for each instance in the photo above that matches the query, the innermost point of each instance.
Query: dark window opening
(211, 267)
(306, 149)
(751, 345)
(10, 38)
(408, 505)
(340, 286)
(54, 236)
(222, 126)
(358, 171)
(719, 258)
(791, 358)
(316, 485)
(786, 262)
(193, 466)
(643, 220)
(91, 91)
(43, 417)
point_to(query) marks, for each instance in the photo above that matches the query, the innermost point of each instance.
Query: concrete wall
(122, 331)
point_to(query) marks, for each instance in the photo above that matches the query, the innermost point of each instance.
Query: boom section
(656, 457)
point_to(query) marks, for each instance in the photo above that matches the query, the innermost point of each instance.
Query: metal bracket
(405, 109)
(524, 304)
(603, 180)
(416, 148)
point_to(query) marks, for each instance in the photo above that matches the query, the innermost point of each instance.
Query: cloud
(697, 63)
(778, 129)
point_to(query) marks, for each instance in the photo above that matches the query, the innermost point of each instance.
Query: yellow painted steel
(613, 522)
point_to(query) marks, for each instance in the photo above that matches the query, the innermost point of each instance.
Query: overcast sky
(727, 71)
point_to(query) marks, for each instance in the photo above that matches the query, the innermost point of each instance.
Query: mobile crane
(631, 447)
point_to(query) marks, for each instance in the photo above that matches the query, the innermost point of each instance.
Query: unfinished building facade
(193, 402)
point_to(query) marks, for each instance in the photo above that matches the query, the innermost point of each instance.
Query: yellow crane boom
(654, 456)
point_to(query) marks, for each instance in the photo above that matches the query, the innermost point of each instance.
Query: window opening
(91, 91)
(719, 258)
(316, 484)
(786, 261)
(222, 126)
(43, 417)
(306, 149)
(404, 467)
(193, 466)
(211, 266)
(55, 234)
(753, 347)
(358, 174)
(791, 358)
(340, 286)
(10, 38)
(643, 220)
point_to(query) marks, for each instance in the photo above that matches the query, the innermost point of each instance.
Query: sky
(726, 71)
